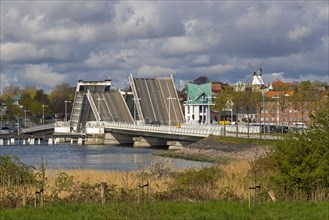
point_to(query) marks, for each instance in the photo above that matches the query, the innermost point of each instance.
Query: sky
(46, 43)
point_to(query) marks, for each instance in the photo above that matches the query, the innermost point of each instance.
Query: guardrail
(193, 129)
(38, 128)
(189, 129)
(165, 129)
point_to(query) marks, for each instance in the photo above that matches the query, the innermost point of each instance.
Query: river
(103, 157)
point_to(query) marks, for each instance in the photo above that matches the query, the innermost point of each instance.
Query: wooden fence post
(103, 191)
(24, 196)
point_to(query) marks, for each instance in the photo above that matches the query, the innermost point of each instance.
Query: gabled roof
(198, 94)
(271, 94)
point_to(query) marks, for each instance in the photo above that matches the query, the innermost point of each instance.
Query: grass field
(174, 210)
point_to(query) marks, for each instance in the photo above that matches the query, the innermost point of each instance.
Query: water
(102, 157)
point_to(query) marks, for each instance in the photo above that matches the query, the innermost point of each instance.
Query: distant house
(284, 106)
(198, 102)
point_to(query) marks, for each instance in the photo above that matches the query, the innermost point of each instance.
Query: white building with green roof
(198, 103)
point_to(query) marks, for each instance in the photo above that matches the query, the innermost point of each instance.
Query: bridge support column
(177, 145)
(31, 142)
(116, 139)
(96, 139)
(148, 142)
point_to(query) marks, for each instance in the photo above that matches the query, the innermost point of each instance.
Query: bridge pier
(148, 142)
(177, 145)
(117, 139)
(97, 139)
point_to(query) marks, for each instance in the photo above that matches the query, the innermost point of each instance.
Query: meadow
(174, 210)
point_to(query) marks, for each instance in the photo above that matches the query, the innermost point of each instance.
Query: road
(159, 101)
(112, 106)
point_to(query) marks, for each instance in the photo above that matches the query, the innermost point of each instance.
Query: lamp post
(25, 117)
(169, 100)
(263, 94)
(277, 120)
(66, 101)
(43, 114)
(284, 109)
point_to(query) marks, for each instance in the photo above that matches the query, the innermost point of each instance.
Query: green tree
(41, 97)
(62, 92)
(302, 159)
(36, 108)
(222, 99)
(26, 100)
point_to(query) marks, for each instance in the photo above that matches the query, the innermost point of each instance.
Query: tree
(62, 92)
(222, 99)
(25, 100)
(58, 95)
(41, 97)
(302, 159)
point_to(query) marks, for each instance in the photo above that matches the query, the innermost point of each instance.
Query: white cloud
(298, 33)
(325, 43)
(215, 69)
(201, 60)
(22, 51)
(42, 75)
(108, 58)
(154, 71)
(215, 38)
(186, 45)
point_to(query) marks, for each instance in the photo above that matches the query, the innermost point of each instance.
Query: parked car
(5, 130)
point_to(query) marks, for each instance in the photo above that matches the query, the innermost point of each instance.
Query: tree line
(16, 102)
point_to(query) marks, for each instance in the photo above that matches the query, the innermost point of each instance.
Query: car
(5, 130)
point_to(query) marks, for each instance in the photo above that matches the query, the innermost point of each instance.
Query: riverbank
(221, 150)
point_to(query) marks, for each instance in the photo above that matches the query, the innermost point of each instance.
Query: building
(198, 102)
(284, 105)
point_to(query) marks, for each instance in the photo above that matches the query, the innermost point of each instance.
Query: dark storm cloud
(93, 40)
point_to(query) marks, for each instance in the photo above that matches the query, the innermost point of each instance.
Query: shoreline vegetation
(221, 150)
(158, 192)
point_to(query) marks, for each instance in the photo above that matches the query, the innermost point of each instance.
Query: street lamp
(25, 117)
(43, 114)
(277, 120)
(66, 101)
(263, 94)
(169, 100)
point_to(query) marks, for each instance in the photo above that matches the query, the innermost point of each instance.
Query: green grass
(174, 210)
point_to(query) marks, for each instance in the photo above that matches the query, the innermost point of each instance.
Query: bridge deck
(112, 106)
(159, 101)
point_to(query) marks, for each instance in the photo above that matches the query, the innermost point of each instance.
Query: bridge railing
(195, 129)
(38, 128)
(202, 131)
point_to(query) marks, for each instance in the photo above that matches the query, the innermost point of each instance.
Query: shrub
(302, 159)
(198, 184)
(15, 173)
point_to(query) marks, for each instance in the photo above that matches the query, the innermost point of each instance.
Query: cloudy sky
(44, 43)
